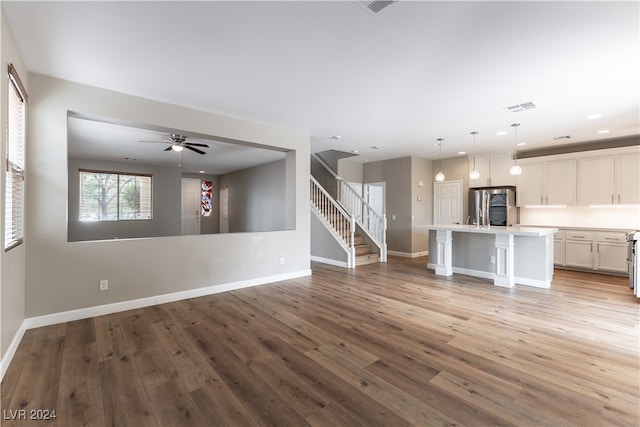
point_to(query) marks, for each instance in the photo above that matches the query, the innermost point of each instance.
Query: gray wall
(62, 276)
(323, 244)
(166, 203)
(422, 203)
(397, 175)
(257, 198)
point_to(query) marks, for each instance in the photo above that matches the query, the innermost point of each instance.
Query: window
(112, 196)
(14, 183)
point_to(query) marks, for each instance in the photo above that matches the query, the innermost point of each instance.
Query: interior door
(374, 195)
(447, 202)
(190, 206)
(224, 210)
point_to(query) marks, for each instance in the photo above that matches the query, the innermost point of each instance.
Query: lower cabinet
(588, 250)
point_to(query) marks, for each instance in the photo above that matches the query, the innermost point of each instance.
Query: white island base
(507, 255)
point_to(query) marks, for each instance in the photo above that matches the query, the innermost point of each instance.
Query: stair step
(363, 249)
(366, 259)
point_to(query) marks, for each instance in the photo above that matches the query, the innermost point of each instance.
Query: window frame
(118, 195)
(14, 189)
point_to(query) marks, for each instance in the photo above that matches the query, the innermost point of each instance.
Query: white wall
(64, 276)
(12, 262)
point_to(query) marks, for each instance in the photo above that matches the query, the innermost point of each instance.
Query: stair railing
(372, 223)
(339, 221)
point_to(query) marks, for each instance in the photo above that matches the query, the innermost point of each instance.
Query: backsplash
(582, 216)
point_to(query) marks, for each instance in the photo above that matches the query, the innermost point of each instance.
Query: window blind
(14, 188)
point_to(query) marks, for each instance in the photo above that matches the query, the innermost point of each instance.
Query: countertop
(516, 230)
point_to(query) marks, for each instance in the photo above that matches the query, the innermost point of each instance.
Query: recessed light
(520, 144)
(594, 116)
(462, 152)
(130, 158)
(502, 132)
(603, 131)
(354, 151)
(375, 147)
(336, 137)
(201, 171)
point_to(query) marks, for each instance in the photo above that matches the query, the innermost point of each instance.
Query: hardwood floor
(386, 345)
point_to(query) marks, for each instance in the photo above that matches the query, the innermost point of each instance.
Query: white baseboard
(545, 284)
(11, 351)
(408, 254)
(330, 261)
(84, 313)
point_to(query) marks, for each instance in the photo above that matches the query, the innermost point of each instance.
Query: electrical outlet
(104, 285)
(492, 259)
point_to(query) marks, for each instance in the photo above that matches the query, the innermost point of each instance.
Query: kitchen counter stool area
(507, 255)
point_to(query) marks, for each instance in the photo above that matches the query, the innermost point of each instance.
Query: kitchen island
(508, 255)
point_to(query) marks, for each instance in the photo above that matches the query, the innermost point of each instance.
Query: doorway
(190, 206)
(224, 210)
(447, 202)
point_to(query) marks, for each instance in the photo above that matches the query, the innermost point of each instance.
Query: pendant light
(474, 174)
(515, 169)
(440, 175)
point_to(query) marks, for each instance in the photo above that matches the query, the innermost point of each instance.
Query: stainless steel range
(633, 239)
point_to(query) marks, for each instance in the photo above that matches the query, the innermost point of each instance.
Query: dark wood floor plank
(385, 344)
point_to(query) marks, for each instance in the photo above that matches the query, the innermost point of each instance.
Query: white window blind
(14, 188)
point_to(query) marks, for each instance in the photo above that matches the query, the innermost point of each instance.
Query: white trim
(545, 284)
(11, 350)
(408, 254)
(84, 313)
(330, 261)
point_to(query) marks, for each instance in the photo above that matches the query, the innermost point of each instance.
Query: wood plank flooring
(384, 345)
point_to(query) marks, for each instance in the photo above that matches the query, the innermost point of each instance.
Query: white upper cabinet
(560, 182)
(530, 191)
(609, 180)
(596, 180)
(603, 177)
(500, 166)
(494, 171)
(628, 177)
(547, 183)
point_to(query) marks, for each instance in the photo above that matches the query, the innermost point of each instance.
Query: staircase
(354, 224)
(361, 249)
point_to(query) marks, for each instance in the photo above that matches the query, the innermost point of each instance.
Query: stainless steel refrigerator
(493, 206)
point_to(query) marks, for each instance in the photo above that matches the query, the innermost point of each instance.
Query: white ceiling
(398, 80)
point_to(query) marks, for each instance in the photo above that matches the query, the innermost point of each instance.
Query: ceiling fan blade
(168, 148)
(158, 142)
(196, 144)
(194, 149)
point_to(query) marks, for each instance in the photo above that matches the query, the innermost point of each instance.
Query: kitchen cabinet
(611, 251)
(596, 180)
(547, 183)
(578, 248)
(628, 177)
(603, 251)
(494, 171)
(558, 248)
(609, 180)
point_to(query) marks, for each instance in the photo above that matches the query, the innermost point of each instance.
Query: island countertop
(515, 230)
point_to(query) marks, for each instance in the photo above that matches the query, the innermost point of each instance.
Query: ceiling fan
(179, 142)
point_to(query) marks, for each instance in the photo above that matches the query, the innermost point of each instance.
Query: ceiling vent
(521, 107)
(376, 6)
